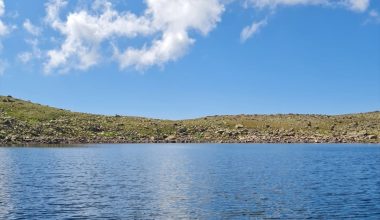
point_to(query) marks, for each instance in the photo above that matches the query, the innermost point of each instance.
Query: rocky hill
(23, 122)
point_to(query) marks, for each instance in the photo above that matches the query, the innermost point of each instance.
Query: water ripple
(191, 182)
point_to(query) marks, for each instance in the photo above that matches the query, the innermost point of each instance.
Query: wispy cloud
(4, 29)
(254, 28)
(35, 53)
(358, 6)
(29, 27)
(354, 5)
(3, 66)
(373, 17)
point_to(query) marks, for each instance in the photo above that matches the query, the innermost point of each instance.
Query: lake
(190, 181)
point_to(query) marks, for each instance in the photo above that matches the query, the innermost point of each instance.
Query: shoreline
(23, 122)
(27, 144)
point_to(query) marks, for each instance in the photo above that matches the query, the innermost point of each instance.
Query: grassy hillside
(23, 122)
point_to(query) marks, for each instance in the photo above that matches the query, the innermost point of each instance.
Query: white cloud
(170, 47)
(275, 3)
(35, 53)
(374, 17)
(252, 29)
(85, 31)
(374, 14)
(25, 57)
(357, 5)
(3, 28)
(2, 7)
(166, 28)
(33, 30)
(198, 15)
(247, 32)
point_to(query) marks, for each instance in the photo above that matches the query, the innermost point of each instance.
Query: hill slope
(23, 122)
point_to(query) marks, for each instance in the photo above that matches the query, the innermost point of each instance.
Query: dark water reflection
(191, 182)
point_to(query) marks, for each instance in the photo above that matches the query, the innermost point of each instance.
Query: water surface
(175, 181)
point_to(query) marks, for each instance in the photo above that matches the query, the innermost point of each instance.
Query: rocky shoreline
(26, 123)
(248, 138)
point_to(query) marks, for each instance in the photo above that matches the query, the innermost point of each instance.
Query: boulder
(372, 137)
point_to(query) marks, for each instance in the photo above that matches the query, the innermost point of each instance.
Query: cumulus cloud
(84, 31)
(166, 29)
(198, 15)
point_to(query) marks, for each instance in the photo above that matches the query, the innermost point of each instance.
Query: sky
(179, 59)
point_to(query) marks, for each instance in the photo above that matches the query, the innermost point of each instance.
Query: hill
(23, 122)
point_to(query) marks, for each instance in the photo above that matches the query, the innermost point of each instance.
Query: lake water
(175, 181)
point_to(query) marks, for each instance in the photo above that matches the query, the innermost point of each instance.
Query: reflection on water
(190, 182)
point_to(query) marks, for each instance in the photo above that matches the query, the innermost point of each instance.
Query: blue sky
(189, 58)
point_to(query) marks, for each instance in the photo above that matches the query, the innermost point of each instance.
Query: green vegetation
(23, 122)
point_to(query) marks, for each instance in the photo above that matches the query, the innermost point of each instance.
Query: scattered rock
(220, 132)
(96, 128)
(48, 125)
(171, 138)
(182, 130)
(372, 137)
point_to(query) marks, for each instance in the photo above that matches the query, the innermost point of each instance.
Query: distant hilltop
(23, 122)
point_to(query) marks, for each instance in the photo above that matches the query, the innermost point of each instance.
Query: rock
(170, 138)
(96, 128)
(372, 137)
(182, 130)
(219, 132)
(239, 126)
(8, 100)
